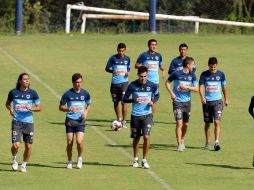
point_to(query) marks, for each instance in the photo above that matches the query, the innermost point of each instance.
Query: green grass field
(54, 58)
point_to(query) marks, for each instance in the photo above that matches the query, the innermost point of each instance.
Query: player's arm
(137, 65)
(108, 67)
(36, 108)
(171, 68)
(9, 107)
(126, 97)
(251, 107)
(88, 108)
(202, 94)
(162, 70)
(168, 87)
(225, 94)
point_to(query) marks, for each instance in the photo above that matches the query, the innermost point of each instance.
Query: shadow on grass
(220, 166)
(33, 165)
(105, 122)
(96, 164)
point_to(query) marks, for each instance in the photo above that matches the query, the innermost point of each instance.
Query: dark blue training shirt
(76, 100)
(145, 93)
(177, 65)
(22, 99)
(119, 66)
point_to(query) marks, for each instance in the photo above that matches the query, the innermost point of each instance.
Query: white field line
(101, 134)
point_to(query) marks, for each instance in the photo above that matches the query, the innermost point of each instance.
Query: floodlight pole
(152, 19)
(19, 10)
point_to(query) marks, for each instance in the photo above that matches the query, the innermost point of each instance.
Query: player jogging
(184, 82)
(211, 83)
(177, 63)
(143, 95)
(25, 101)
(119, 66)
(77, 103)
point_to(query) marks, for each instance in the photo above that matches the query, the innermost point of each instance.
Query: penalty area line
(154, 175)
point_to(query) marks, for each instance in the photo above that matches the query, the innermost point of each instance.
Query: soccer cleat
(180, 147)
(15, 165)
(207, 146)
(79, 163)
(124, 124)
(145, 165)
(135, 164)
(69, 165)
(23, 169)
(216, 146)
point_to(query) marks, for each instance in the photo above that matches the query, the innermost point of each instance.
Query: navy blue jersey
(188, 79)
(21, 100)
(212, 84)
(75, 100)
(177, 65)
(118, 66)
(144, 93)
(152, 62)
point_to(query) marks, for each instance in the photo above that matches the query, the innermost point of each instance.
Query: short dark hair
(142, 69)
(150, 41)
(183, 45)
(212, 61)
(121, 45)
(187, 61)
(76, 76)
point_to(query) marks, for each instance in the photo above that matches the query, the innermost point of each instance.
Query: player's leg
(80, 148)
(124, 106)
(117, 110)
(135, 134)
(178, 113)
(114, 90)
(208, 119)
(207, 135)
(217, 112)
(14, 151)
(69, 141)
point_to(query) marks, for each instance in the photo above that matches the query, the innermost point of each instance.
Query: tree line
(49, 15)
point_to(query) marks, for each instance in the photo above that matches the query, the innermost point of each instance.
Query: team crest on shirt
(217, 78)
(157, 58)
(28, 96)
(148, 88)
(82, 97)
(125, 62)
(189, 78)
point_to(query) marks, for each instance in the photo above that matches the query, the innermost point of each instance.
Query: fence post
(152, 19)
(68, 19)
(19, 10)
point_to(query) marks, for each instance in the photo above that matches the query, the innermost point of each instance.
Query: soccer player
(119, 66)
(251, 107)
(77, 103)
(143, 95)
(25, 101)
(153, 61)
(184, 82)
(177, 63)
(211, 83)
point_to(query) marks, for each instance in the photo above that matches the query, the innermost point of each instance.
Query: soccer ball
(116, 125)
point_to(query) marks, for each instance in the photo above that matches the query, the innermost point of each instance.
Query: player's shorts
(117, 91)
(141, 125)
(182, 110)
(22, 128)
(212, 110)
(74, 126)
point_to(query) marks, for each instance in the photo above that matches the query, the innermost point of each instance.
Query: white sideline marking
(123, 151)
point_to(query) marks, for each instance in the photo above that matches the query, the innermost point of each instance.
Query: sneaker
(216, 147)
(180, 148)
(69, 165)
(207, 146)
(145, 165)
(182, 142)
(135, 164)
(124, 125)
(79, 163)
(15, 165)
(23, 169)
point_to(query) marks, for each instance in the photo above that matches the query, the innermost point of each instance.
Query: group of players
(143, 93)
